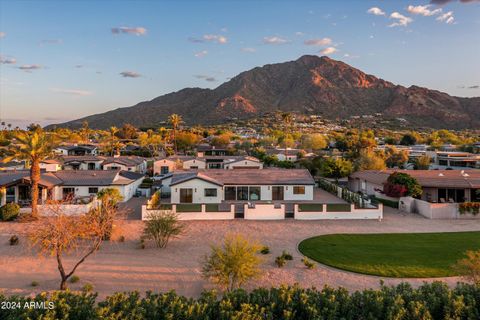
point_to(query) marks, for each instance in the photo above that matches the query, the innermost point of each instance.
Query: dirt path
(123, 266)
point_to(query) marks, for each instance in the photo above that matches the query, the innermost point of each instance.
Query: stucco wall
(355, 214)
(198, 187)
(264, 212)
(229, 215)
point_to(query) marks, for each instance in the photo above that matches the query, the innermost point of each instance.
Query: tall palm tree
(175, 120)
(113, 131)
(33, 147)
(287, 119)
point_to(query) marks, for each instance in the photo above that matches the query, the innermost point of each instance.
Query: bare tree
(60, 235)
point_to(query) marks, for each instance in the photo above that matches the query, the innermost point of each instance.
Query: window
(91, 166)
(254, 193)
(230, 193)
(68, 193)
(210, 192)
(242, 193)
(163, 169)
(186, 195)
(114, 168)
(298, 190)
(93, 190)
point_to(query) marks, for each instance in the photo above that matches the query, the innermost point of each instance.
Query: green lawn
(401, 255)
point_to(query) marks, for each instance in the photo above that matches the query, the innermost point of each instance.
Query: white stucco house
(163, 166)
(240, 185)
(125, 163)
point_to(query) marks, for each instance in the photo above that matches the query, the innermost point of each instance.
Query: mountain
(309, 85)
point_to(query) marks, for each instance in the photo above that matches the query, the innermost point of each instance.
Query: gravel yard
(123, 266)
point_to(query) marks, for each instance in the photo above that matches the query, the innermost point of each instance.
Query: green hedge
(339, 207)
(310, 207)
(430, 301)
(215, 207)
(388, 203)
(189, 207)
(162, 206)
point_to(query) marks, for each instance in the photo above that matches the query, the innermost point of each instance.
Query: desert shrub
(142, 243)
(9, 211)
(74, 279)
(280, 261)
(309, 264)
(87, 287)
(265, 250)
(161, 227)
(34, 283)
(287, 256)
(14, 240)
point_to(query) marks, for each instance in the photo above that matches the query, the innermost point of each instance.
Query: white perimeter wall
(355, 214)
(264, 212)
(204, 215)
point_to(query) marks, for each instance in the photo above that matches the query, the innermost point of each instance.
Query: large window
(68, 193)
(210, 192)
(299, 190)
(254, 193)
(186, 195)
(93, 190)
(230, 193)
(451, 195)
(242, 193)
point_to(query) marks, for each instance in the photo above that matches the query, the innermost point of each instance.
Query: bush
(280, 261)
(14, 240)
(161, 226)
(74, 279)
(9, 212)
(142, 243)
(287, 256)
(34, 284)
(121, 239)
(265, 250)
(87, 287)
(309, 264)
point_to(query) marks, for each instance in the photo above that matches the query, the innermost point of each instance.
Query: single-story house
(125, 163)
(437, 185)
(208, 150)
(51, 165)
(77, 150)
(289, 155)
(15, 185)
(165, 165)
(240, 185)
(12, 165)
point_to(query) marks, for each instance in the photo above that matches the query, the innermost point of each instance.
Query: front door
(186, 195)
(277, 193)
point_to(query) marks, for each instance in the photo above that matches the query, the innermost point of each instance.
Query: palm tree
(175, 120)
(113, 131)
(33, 147)
(287, 119)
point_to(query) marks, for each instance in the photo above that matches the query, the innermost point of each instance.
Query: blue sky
(66, 59)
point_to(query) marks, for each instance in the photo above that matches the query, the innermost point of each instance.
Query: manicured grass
(310, 207)
(412, 255)
(339, 207)
(189, 207)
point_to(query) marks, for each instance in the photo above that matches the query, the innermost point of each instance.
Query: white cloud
(446, 17)
(248, 49)
(299, 33)
(29, 67)
(402, 21)
(2, 34)
(274, 40)
(200, 54)
(318, 42)
(423, 10)
(130, 74)
(210, 38)
(376, 11)
(329, 50)
(7, 60)
(74, 92)
(138, 31)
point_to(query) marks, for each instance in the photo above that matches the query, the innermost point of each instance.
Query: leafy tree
(422, 163)
(110, 196)
(187, 140)
(175, 120)
(232, 264)
(287, 120)
(314, 141)
(335, 168)
(222, 140)
(369, 160)
(395, 157)
(151, 141)
(32, 146)
(113, 131)
(128, 132)
(410, 185)
(408, 140)
(161, 226)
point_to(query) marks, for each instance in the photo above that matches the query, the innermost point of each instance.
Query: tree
(153, 142)
(113, 138)
(161, 226)
(314, 141)
(59, 235)
(287, 119)
(233, 264)
(32, 146)
(469, 267)
(175, 120)
(422, 163)
(401, 184)
(187, 140)
(222, 140)
(335, 168)
(395, 157)
(408, 140)
(368, 160)
(128, 132)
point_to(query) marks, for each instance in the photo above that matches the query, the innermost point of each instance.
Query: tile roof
(427, 178)
(248, 177)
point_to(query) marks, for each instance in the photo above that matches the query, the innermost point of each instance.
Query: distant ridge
(309, 85)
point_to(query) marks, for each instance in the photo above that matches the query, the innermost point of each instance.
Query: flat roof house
(437, 185)
(241, 185)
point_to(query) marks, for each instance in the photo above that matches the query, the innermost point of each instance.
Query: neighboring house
(77, 150)
(437, 185)
(126, 163)
(15, 186)
(447, 159)
(208, 150)
(50, 165)
(291, 154)
(241, 185)
(163, 166)
(12, 165)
